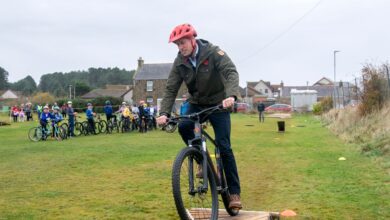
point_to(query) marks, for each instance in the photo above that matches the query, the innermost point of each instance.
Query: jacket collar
(204, 52)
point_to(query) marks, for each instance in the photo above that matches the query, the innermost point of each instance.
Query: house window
(149, 86)
(266, 91)
(149, 99)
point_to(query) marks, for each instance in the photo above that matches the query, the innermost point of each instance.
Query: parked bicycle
(101, 124)
(112, 124)
(39, 133)
(197, 179)
(78, 127)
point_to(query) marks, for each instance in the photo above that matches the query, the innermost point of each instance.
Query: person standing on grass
(71, 114)
(261, 109)
(63, 110)
(45, 116)
(108, 110)
(39, 110)
(28, 111)
(211, 79)
(90, 115)
(15, 113)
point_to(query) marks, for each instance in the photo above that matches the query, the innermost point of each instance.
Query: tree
(58, 83)
(3, 79)
(82, 88)
(27, 85)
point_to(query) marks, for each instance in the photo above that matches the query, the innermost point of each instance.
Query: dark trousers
(108, 117)
(261, 116)
(29, 116)
(221, 124)
(91, 126)
(44, 128)
(71, 126)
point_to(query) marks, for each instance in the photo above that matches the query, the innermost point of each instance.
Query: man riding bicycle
(211, 79)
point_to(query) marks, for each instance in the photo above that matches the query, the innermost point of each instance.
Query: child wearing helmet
(71, 114)
(45, 117)
(90, 115)
(108, 110)
(56, 118)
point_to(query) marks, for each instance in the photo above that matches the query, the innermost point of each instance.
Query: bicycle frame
(200, 135)
(203, 136)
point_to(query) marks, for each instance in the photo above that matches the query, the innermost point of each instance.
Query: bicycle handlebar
(194, 116)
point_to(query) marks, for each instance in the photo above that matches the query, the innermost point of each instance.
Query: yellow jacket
(126, 113)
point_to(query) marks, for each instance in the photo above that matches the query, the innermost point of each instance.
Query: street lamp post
(334, 82)
(70, 91)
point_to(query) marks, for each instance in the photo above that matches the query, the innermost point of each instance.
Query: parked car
(242, 107)
(278, 108)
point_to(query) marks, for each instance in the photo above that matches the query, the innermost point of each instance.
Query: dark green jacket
(214, 78)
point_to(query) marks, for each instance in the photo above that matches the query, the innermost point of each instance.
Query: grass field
(127, 176)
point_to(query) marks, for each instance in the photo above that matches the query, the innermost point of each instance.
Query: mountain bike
(125, 125)
(78, 127)
(39, 133)
(101, 124)
(195, 189)
(113, 124)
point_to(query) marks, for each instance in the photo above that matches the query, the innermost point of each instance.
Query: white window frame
(149, 86)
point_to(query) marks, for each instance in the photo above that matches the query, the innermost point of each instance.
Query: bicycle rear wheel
(103, 126)
(35, 134)
(192, 203)
(78, 129)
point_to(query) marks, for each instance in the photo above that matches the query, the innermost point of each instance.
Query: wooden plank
(198, 213)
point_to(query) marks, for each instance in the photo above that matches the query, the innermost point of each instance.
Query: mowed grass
(128, 176)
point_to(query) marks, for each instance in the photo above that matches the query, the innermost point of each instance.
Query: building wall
(128, 97)
(261, 87)
(9, 95)
(140, 92)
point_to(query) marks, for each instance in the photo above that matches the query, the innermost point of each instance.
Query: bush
(375, 89)
(323, 106)
(80, 105)
(317, 108)
(42, 98)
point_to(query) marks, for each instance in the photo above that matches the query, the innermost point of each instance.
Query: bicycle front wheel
(78, 129)
(191, 201)
(35, 134)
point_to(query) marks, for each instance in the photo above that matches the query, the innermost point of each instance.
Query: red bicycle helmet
(180, 31)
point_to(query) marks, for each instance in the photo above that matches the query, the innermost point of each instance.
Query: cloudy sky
(272, 40)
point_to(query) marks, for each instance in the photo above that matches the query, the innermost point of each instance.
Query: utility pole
(334, 83)
(70, 91)
(388, 78)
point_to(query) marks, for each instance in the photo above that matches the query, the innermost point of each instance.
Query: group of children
(22, 113)
(56, 116)
(136, 115)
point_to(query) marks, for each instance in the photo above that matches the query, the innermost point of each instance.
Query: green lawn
(127, 176)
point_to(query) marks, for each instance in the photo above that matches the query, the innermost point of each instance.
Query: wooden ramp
(243, 215)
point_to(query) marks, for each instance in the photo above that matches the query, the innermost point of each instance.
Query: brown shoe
(235, 202)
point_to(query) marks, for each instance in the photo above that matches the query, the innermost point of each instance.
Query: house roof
(118, 93)
(322, 91)
(323, 81)
(153, 71)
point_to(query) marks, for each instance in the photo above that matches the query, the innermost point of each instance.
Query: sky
(272, 40)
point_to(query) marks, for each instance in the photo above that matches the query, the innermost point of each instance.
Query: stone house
(150, 81)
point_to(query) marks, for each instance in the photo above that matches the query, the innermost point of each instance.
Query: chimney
(140, 62)
(281, 84)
